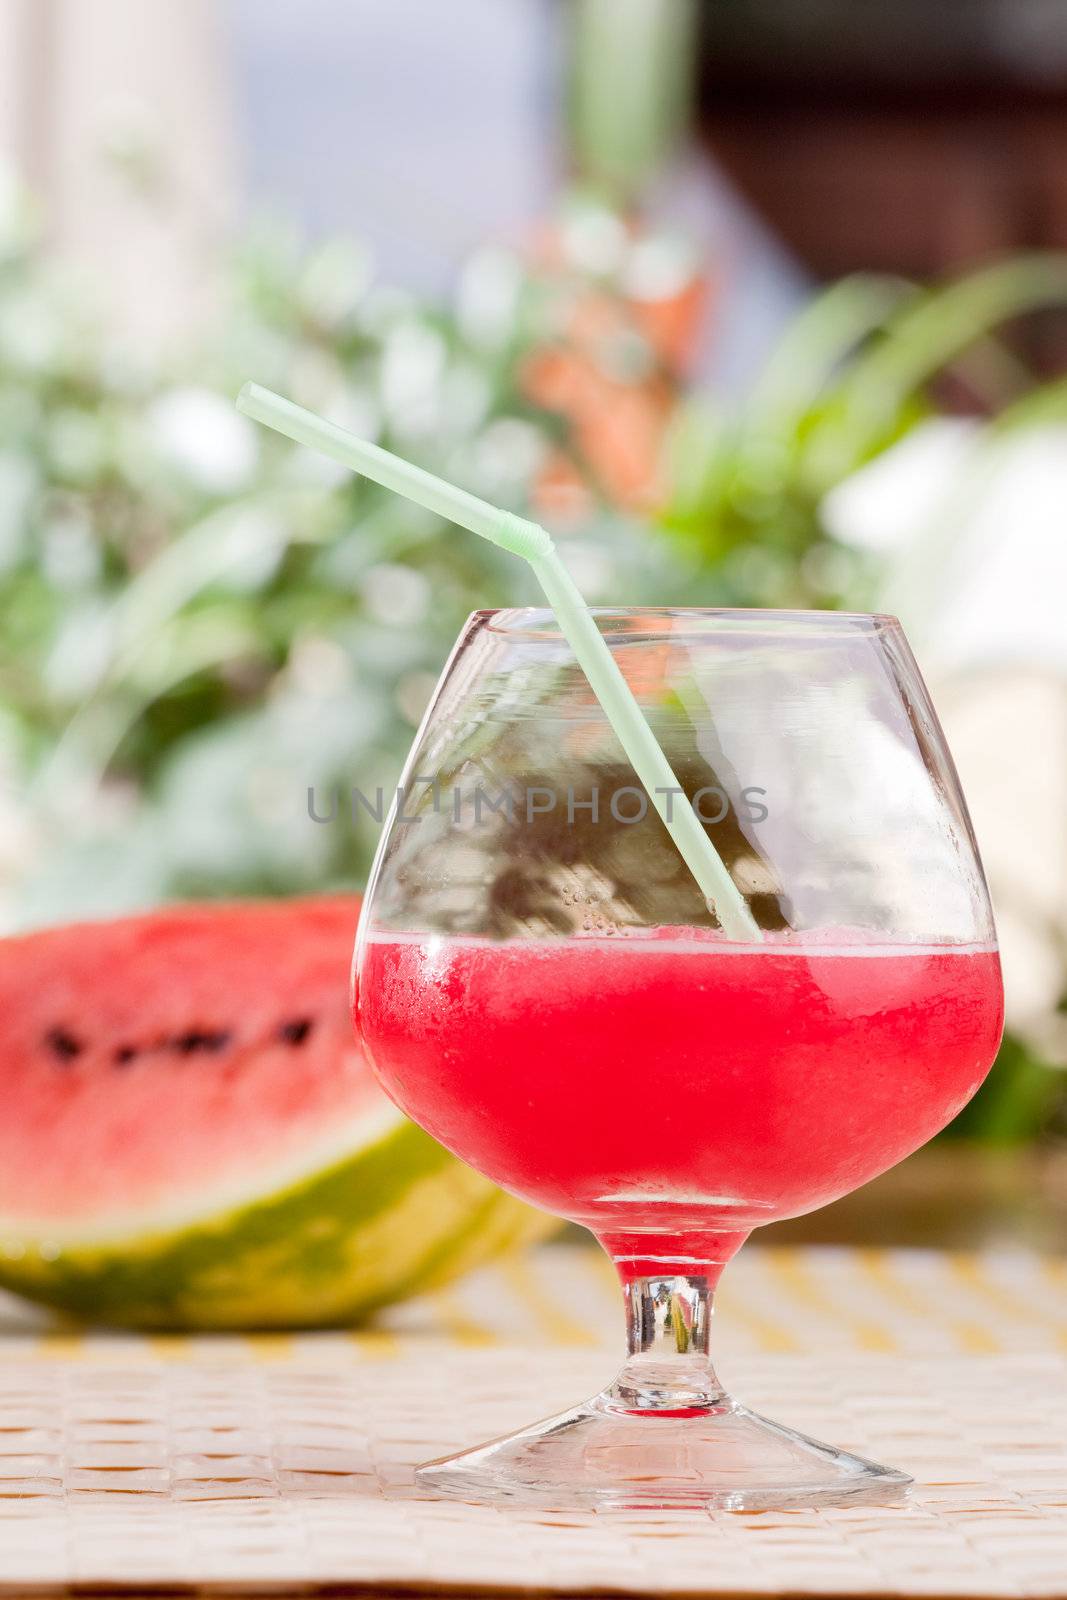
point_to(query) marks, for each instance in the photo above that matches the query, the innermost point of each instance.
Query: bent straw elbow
(521, 536)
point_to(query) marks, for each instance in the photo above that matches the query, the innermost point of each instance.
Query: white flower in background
(395, 594)
(317, 669)
(973, 530)
(506, 457)
(594, 238)
(466, 398)
(201, 435)
(413, 368)
(659, 267)
(487, 300)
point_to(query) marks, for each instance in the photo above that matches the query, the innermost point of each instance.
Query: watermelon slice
(191, 1137)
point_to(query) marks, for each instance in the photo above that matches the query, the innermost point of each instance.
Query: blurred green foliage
(857, 369)
(199, 622)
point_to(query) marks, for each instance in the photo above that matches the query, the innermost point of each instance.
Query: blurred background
(755, 304)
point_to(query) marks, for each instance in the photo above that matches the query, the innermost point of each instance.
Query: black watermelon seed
(212, 1042)
(63, 1044)
(295, 1032)
(124, 1054)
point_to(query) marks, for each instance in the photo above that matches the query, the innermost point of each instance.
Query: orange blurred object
(613, 370)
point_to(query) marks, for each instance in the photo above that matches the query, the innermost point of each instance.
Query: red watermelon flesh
(167, 1059)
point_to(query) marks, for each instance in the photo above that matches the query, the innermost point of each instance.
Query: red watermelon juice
(671, 1090)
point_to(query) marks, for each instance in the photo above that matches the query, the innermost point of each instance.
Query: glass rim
(539, 622)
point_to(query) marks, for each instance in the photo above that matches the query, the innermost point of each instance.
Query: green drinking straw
(534, 544)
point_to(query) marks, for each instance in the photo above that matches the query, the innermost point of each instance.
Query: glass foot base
(720, 1456)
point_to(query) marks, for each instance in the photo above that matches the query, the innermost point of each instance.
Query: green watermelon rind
(397, 1217)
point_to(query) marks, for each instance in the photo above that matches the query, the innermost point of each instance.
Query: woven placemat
(264, 1474)
(287, 1463)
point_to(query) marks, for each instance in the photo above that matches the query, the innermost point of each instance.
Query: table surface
(271, 1462)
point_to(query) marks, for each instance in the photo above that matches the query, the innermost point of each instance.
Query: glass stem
(668, 1368)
